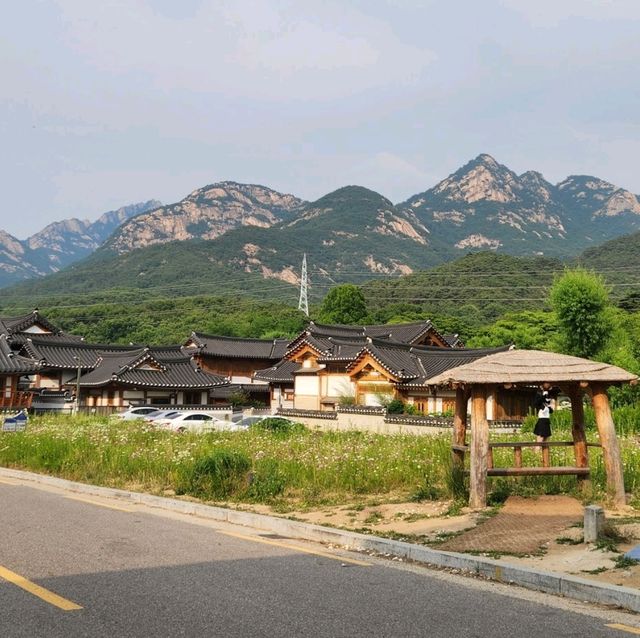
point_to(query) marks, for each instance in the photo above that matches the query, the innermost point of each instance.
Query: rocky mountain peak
(597, 197)
(487, 160)
(537, 185)
(206, 213)
(59, 244)
(481, 179)
(9, 244)
(585, 182)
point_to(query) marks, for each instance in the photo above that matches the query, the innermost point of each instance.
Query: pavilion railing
(519, 469)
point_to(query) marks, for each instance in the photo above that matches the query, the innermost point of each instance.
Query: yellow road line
(36, 590)
(98, 503)
(627, 628)
(296, 548)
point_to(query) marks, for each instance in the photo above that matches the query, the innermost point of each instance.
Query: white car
(195, 422)
(160, 414)
(141, 412)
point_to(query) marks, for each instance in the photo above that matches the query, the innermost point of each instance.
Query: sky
(107, 103)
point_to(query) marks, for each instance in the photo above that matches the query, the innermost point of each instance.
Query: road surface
(72, 565)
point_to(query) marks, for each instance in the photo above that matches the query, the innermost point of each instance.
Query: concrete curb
(500, 571)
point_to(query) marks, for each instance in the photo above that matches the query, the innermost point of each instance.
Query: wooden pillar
(479, 448)
(460, 427)
(580, 449)
(609, 442)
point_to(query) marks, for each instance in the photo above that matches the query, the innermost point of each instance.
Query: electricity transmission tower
(303, 304)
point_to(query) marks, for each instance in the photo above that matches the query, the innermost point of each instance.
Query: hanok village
(327, 377)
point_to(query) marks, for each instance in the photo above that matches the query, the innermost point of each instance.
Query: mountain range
(60, 244)
(353, 233)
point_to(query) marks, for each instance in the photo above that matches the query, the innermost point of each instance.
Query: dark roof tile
(142, 369)
(282, 372)
(239, 348)
(12, 363)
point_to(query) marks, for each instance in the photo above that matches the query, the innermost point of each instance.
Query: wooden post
(460, 427)
(517, 456)
(479, 448)
(580, 449)
(546, 457)
(609, 442)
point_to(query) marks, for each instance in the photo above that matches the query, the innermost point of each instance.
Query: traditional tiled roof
(415, 365)
(318, 335)
(169, 353)
(402, 332)
(19, 338)
(56, 353)
(342, 350)
(142, 369)
(226, 391)
(12, 363)
(453, 340)
(12, 325)
(409, 365)
(282, 372)
(238, 348)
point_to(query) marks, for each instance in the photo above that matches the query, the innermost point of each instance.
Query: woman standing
(542, 430)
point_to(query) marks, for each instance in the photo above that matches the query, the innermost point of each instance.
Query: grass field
(299, 468)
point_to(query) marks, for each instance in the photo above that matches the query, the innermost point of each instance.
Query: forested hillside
(161, 300)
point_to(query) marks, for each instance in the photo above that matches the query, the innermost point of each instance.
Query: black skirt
(543, 428)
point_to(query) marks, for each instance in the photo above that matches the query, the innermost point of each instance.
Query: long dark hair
(542, 400)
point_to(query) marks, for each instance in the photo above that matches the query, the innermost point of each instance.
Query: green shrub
(396, 406)
(239, 399)
(278, 425)
(221, 474)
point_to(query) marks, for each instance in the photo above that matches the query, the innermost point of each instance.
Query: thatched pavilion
(514, 368)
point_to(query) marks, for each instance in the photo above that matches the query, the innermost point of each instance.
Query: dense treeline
(487, 298)
(170, 321)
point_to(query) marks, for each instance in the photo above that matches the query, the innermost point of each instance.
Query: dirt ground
(559, 548)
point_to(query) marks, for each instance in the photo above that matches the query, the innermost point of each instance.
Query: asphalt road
(75, 566)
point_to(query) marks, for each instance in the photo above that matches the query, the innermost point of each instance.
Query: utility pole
(77, 405)
(303, 304)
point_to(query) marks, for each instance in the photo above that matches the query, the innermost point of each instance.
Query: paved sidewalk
(522, 526)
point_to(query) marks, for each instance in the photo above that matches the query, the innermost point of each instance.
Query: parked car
(160, 414)
(195, 422)
(137, 413)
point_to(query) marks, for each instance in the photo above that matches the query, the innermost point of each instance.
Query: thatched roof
(532, 366)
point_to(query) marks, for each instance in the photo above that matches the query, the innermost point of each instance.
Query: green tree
(343, 304)
(530, 329)
(581, 302)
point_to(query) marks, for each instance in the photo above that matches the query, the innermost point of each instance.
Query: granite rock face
(60, 244)
(485, 205)
(206, 213)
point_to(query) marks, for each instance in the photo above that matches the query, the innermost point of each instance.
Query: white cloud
(274, 51)
(552, 12)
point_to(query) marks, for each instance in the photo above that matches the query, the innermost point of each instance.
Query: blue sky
(106, 103)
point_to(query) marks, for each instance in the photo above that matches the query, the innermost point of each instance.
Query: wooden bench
(519, 470)
(538, 471)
